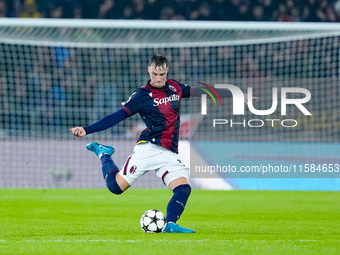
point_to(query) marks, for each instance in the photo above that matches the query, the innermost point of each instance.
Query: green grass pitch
(93, 221)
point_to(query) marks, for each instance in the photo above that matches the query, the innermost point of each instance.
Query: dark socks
(177, 203)
(110, 170)
(108, 166)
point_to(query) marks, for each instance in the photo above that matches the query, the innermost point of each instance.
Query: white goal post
(150, 34)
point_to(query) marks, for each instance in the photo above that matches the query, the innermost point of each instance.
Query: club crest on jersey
(133, 169)
(165, 100)
(172, 88)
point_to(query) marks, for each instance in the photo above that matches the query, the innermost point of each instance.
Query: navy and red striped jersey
(160, 111)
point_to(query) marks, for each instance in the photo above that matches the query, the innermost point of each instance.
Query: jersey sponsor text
(165, 100)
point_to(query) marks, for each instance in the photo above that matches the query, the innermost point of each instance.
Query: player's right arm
(78, 131)
(102, 124)
(130, 108)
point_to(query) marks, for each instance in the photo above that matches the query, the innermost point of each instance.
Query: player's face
(158, 76)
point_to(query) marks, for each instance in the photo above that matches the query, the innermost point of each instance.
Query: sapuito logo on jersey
(239, 105)
(165, 100)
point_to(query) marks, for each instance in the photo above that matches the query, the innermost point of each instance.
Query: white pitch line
(108, 240)
(310, 240)
(131, 241)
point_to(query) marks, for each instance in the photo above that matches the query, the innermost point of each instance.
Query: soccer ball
(152, 221)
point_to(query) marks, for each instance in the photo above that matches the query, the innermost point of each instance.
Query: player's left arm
(197, 92)
(189, 91)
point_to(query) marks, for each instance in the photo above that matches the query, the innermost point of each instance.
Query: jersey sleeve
(132, 105)
(106, 122)
(185, 90)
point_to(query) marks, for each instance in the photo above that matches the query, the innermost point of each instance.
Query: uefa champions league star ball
(153, 221)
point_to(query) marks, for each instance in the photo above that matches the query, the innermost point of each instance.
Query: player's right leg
(181, 192)
(114, 182)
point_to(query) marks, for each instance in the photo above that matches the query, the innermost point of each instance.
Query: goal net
(56, 74)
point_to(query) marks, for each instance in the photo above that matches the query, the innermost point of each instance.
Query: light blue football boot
(100, 149)
(175, 228)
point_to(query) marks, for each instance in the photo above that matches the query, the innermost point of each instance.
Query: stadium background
(233, 10)
(50, 86)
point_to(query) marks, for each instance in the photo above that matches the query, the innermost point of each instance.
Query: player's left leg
(114, 182)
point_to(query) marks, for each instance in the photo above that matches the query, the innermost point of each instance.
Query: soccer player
(158, 103)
